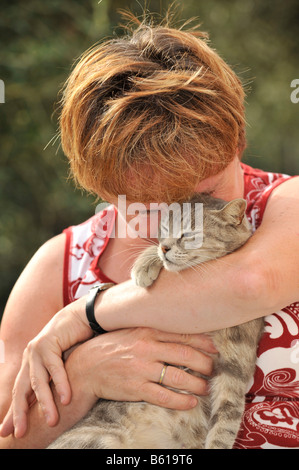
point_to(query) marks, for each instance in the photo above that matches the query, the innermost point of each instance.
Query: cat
(215, 421)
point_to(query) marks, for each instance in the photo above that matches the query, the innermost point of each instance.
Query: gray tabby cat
(215, 421)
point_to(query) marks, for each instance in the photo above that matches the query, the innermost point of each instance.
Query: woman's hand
(122, 365)
(126, 365)
(42, 362)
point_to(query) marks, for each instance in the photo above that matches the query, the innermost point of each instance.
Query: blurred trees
(38, 43)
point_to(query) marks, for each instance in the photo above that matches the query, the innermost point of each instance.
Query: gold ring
(162, 374)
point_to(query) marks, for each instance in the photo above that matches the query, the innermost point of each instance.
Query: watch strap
(92, 295)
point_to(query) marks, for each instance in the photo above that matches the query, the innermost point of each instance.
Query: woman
(155, 116)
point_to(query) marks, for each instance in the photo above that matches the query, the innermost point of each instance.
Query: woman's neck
(118, 257)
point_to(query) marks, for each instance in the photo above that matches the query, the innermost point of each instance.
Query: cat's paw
(144, 276)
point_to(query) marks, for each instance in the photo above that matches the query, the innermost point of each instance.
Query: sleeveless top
(271, 416)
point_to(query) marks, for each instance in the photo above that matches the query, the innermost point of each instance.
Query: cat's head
(202, 232)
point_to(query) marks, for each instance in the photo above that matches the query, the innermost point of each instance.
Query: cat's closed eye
(188, 235)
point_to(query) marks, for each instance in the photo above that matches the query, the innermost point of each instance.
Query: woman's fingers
(45, 365)
(20, 400)
(186, 356)
(33, 381)
(181, 380)
(197, 341)
(7, 426)
(54, 366)
(39, 378)
(15, 420)
(182, 352)
(161, 396)
(191, 351)
(182, 388)
(20, 419)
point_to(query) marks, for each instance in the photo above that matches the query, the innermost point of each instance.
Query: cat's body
(215, 421)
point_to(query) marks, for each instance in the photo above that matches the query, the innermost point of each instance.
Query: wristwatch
(92, 295)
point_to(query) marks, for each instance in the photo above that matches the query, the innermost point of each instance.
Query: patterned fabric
(271, 417)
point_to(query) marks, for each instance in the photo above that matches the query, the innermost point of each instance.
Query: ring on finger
(162, 374)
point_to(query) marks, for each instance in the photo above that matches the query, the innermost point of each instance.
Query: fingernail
(16, 432)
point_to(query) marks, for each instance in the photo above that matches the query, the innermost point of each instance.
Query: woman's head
(151, 115)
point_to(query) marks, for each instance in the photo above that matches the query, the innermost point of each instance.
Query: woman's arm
(35, 298)
(34, 301)
(257, 280)
(123, 365)
(39, 435)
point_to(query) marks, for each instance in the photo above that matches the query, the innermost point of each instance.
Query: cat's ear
(234, 211)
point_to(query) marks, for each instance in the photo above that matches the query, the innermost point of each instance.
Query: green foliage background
(38, 43)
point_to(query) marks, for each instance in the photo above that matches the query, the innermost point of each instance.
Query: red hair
(151, 114)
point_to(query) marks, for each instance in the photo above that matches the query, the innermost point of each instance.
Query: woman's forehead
(219, 185)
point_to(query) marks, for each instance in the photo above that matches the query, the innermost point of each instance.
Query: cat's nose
(165, 248)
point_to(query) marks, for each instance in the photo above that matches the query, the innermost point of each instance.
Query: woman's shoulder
(37, 294)
(96, 226)
(257, 180)
(84, 245)
(258, 186)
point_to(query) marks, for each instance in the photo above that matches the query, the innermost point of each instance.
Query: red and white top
(271, 417)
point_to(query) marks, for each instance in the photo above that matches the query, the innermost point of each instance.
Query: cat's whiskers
(200, 268)
(151, 241)
(134, 249)
(138, 249)
(134, 252)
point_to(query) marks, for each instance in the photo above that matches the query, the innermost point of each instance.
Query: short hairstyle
(151, 114)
